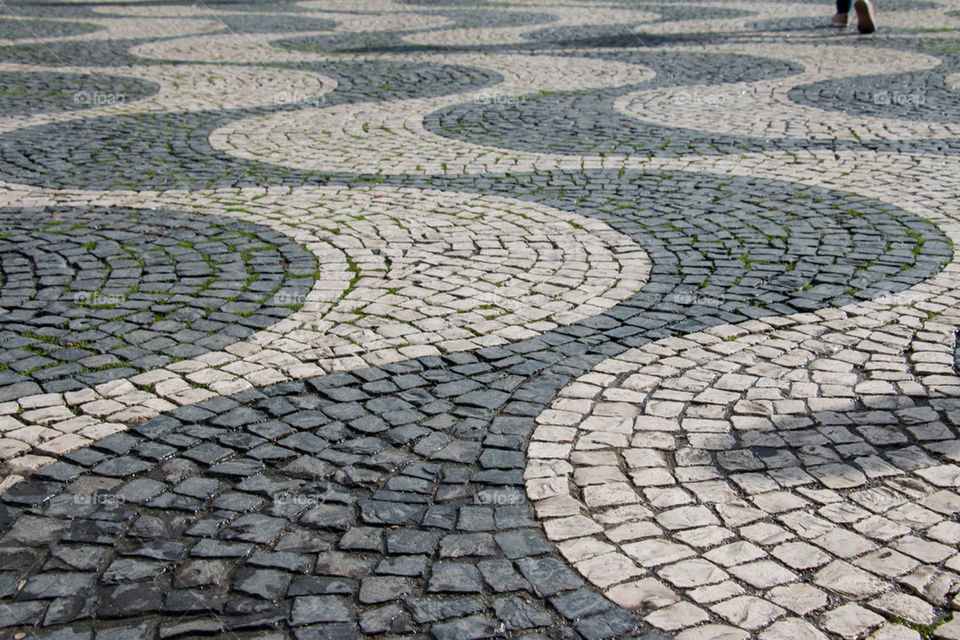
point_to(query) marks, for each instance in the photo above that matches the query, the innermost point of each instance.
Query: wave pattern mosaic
(459, 320)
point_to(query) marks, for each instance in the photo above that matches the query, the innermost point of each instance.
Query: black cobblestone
(124, 273)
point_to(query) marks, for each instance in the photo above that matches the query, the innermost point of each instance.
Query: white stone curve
(183, 88)
(575, 268)
(763, 108)
(389, 137)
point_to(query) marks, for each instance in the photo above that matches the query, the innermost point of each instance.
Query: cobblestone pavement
(499, 319)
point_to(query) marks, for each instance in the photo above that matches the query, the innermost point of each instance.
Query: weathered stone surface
(352, 321)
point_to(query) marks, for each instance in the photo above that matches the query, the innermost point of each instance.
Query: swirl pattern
(431, 318)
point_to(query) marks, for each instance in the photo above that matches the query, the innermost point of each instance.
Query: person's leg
(842, 16)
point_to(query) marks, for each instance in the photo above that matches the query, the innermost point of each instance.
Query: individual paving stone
(215, 549)
(948, 631)
(734, 553)
(894, 632)
(570, 527)
(790, 629)
(692, 573)
(391, 618)
(580, 604)
(904, 607)
(130, 599)
(386, 513)
(548, 576)
(31, 492)
(932, 584)
(880, 528)
(847, 580)
(329, 517)
(434, 609)
(53, 585)
(651, 553)
(851, 621)
(472, 627)
(799, 598)
(677, 616)
(255, 528)
(403, 566)
(301, 586)
(501, 576)
(838, 476)
(800, 555)
(763, 574)
(844, 543)
(686, 518)
(313, 609)
(131, 570)
(23, 613)
(715, 632)
(473, 544)
(610, 623)
(642, 594)
(945, 532)
(408, 541)
(748, 612)
(924, 550)
(265, 583)
(887, 563)
(516, 614)
(522, 543)
(606, 570)
(455, 577)
(198, 573)
(376, 589)
(80, 557)
(362, 539)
